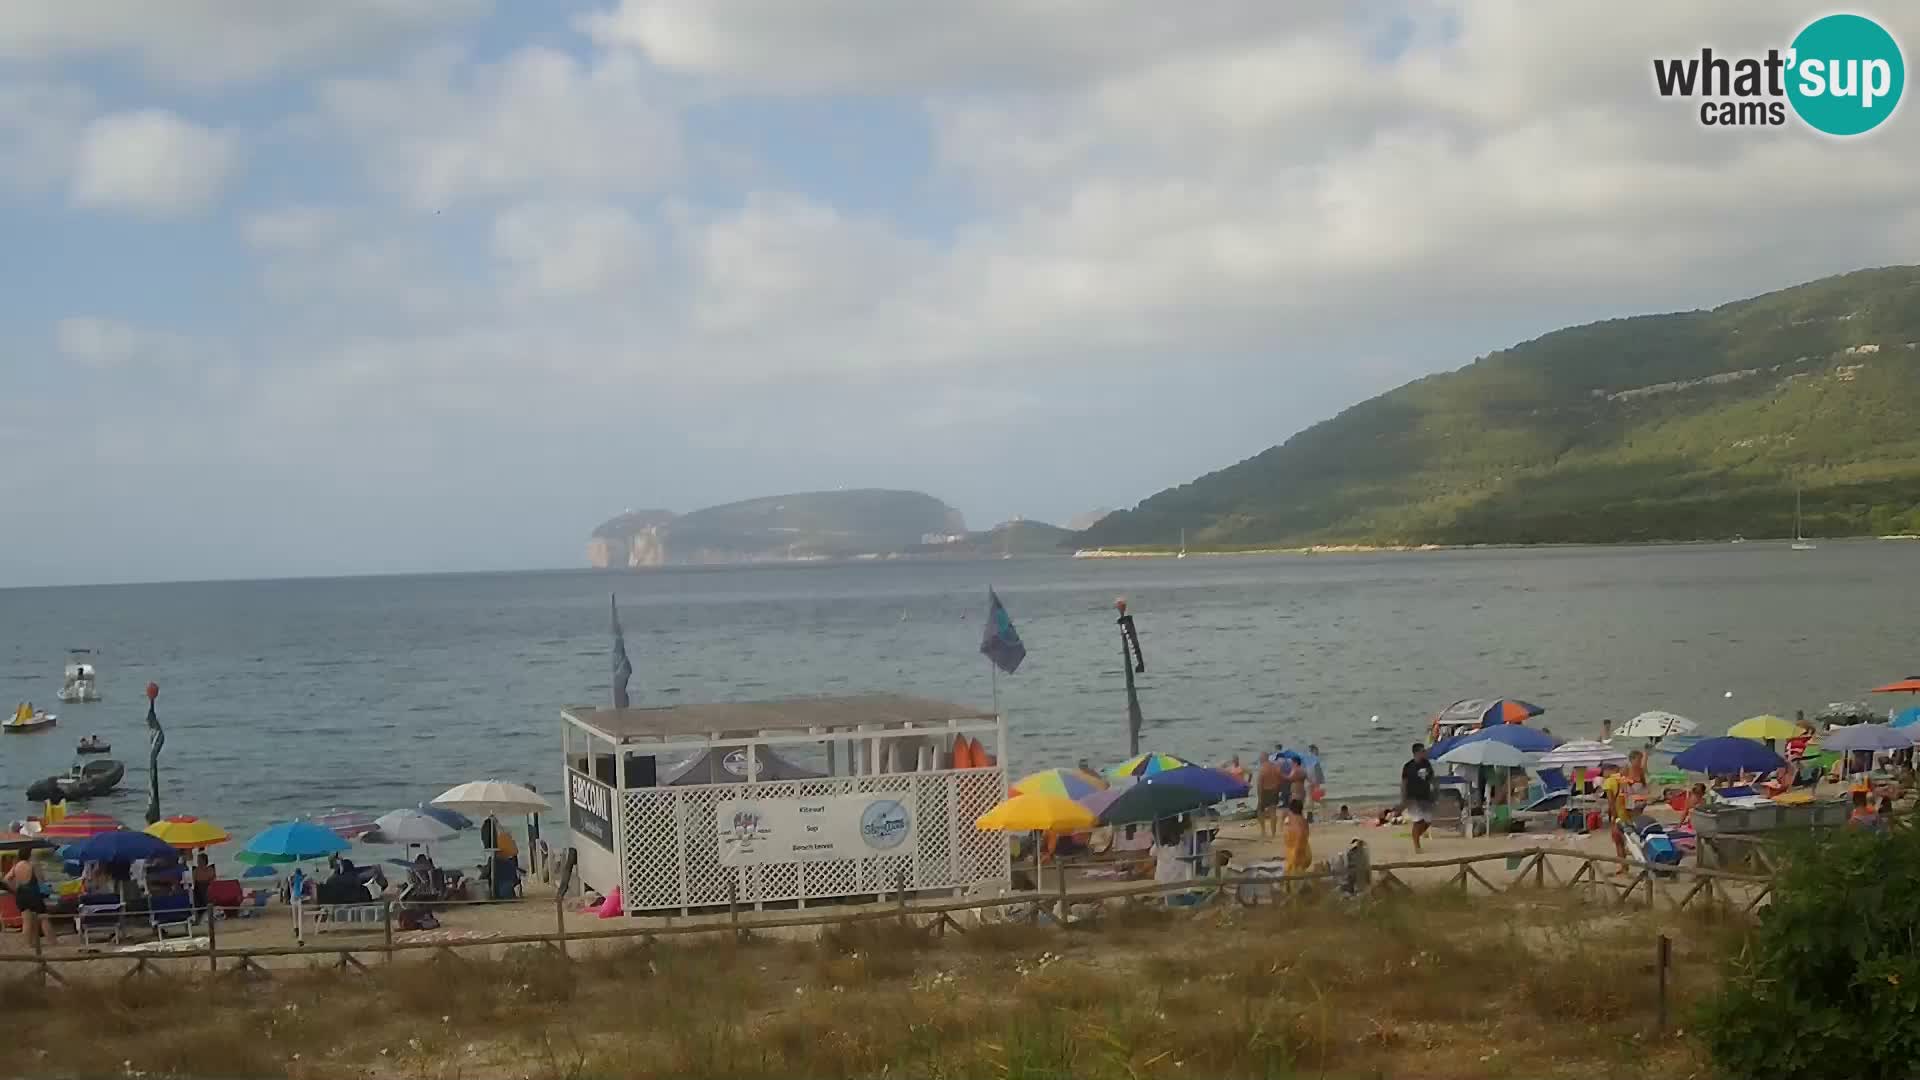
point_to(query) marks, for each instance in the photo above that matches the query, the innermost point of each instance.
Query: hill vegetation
(803, 525)
(1688, 426)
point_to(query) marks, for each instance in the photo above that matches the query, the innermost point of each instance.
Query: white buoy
(1376, 718)
(1729, 693)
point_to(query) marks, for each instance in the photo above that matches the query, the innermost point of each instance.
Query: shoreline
(1389, 549)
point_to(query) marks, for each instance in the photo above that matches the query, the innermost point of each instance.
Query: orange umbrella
(1908, 685)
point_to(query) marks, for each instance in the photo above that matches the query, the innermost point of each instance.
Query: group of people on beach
(1288, 788)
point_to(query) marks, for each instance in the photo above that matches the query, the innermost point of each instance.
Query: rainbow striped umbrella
(1065, 783)
(1147, 765)
(79, 827)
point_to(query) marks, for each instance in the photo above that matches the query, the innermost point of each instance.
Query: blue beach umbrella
(120, 845)
(1727, 755)
(1207, 781)
(1907, 717)
(292, 841)
(453, 818)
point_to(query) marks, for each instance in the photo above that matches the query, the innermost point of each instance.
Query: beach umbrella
(1907, 717)
(412, 827)
(440, 813)
(1766, 728)
(20, 843)
(1100, 800)
(492, 798)
(1146, 765)
(1036, 813)
(1066, 783)
(188, 832)
(1489, 711)
(1582, 754)
(1519, 736)
(1487, 752)
(1908, 685)
(259, 871)
(119, 845)
(1728, 755)
(347, 824)
(1867, 737)
(1207, 781)
(79, 827)
(1656, 724)
(292, 841)
(1153, 800)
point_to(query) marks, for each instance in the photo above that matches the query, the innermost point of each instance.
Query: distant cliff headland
(807, 526)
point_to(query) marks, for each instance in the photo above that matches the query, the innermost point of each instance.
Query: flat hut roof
(791, 714)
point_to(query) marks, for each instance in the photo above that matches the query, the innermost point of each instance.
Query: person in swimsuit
(25, 886)
(1298, 839)
(1271, 780)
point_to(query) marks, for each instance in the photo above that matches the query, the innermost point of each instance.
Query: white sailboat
(1800, 543)
(1183, 545)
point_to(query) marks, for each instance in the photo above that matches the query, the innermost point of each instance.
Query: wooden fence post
(900, 894)
(213, 941)
(387, 918)
(733, 905)
(1663, 957)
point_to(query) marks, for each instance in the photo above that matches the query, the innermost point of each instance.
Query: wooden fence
(1644, 884)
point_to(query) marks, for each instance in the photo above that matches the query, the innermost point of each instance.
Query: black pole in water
(1131, 660)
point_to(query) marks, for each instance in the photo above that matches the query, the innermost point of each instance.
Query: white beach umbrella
(492, 798)
(1582, 754)
(1487, 752)
(1656, 724)
(411, 826)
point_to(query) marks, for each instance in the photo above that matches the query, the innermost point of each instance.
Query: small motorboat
(93, 744)
(83, 782)
(27, 719)
(79, 686)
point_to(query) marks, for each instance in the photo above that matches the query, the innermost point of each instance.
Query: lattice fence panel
(652, 878)
(980, 856)
(933, 801)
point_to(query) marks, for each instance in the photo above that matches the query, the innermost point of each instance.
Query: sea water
(283, 698)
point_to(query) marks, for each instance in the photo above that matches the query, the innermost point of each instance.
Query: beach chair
(171, 912)
(225, 896)
(101, 919)
(10, 920)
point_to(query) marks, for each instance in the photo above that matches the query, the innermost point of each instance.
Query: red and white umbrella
(76, 827)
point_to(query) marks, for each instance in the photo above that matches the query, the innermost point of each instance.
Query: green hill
(803, 525)
(1695, 425)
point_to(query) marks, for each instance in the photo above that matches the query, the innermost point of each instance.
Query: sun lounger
(171, 913)
(101, 918)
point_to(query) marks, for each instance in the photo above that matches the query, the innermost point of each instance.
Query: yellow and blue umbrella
(1066, 783)
(1147, 765)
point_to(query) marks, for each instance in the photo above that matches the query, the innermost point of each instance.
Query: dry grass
(1431, 986)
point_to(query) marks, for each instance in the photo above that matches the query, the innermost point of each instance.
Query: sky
(407, 285)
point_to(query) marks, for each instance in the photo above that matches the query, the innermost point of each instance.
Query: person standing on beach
(1416, 792)
(1298, 839)
(1267, 808)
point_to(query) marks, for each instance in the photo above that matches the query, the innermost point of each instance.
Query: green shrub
(1829, 983)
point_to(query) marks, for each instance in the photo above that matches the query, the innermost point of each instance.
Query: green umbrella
(1148, 800)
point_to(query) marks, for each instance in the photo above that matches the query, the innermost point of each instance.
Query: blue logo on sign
(883, 824)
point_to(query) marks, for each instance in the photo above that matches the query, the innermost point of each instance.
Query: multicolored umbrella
(188, 832)
(1147, 765)
(1036, 813)
(1489, 711)
(79, 827)
(1766, 728)
(1066, 783)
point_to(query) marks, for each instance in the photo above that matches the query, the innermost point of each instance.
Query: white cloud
(207, 42)
(152, 162)
(539, 120)
(103, 344)
(571, 249)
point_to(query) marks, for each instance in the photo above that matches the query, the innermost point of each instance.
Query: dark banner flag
(622, 667)
(1001, 642)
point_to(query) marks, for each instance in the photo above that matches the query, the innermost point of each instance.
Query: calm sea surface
(286, 697)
